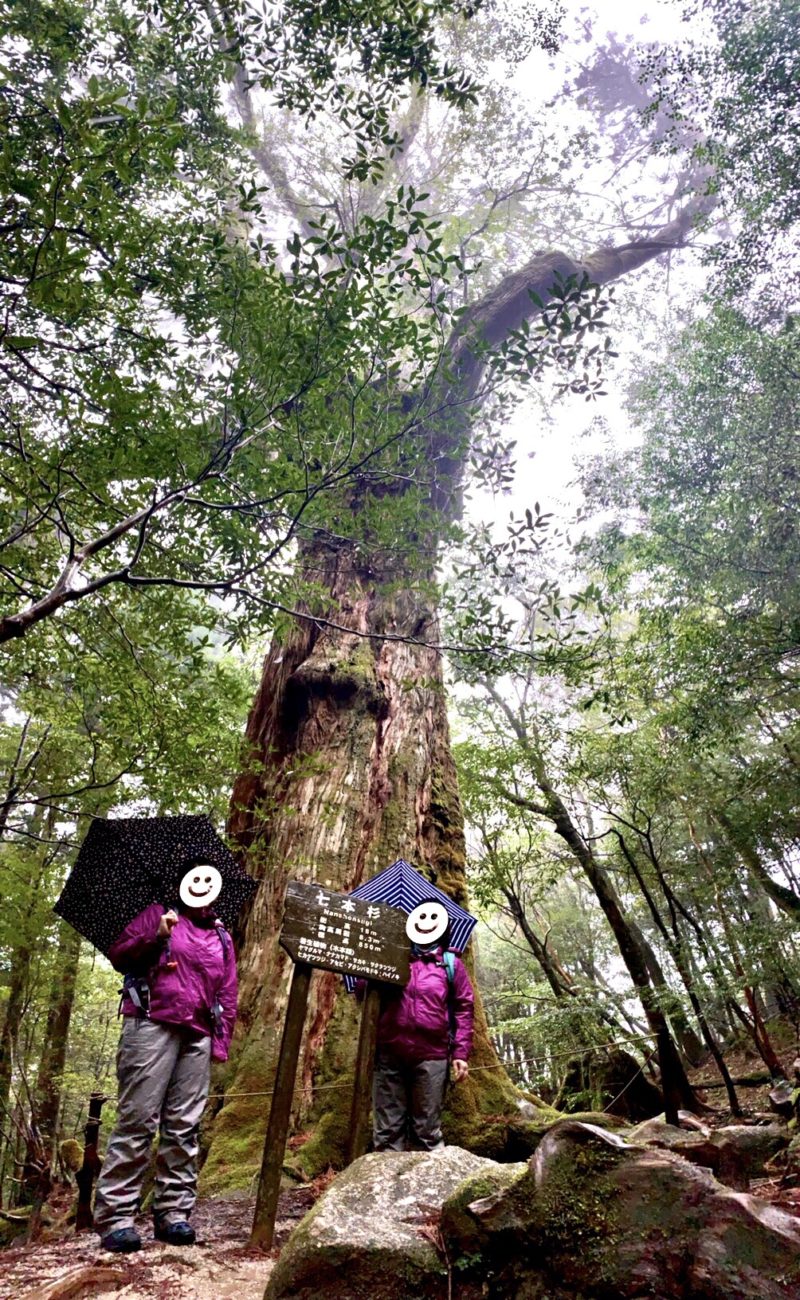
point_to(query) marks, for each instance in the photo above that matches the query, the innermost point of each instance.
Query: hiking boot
(122, 1241)
(174, 1234)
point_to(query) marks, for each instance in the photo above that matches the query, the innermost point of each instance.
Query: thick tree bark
(348, 768)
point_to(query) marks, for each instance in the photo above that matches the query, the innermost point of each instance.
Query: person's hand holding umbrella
(167, 923)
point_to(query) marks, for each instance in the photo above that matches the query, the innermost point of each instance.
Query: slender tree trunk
(683, 964)
(560, 982)
(678, 1092)
(757, 1028)
(17, 986)
(54, 1048)
(674, 944)
(690, 1044)
(561, 987)
(784, 898)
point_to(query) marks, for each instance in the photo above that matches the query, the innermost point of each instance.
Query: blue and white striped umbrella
(401, 885)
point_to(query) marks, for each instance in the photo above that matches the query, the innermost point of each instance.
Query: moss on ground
(234, 1158)
(327, 1148)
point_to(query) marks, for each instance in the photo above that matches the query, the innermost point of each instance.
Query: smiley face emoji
(427, 923)
(200, 886)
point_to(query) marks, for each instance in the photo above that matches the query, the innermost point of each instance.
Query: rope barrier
(477, 1069)
(614, 1100)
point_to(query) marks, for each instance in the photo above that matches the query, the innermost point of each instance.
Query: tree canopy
(284, 290)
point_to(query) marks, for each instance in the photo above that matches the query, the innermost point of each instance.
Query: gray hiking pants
(163, 1077)
(407, 1102)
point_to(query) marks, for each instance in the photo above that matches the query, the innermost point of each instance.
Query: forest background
(297, 306)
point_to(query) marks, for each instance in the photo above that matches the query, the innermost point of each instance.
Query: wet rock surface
(374, 1235)
(591, 1215)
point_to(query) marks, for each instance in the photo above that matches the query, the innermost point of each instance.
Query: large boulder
(735, 1154)
(597, 1217)
(373, 1235)
(590, 1215)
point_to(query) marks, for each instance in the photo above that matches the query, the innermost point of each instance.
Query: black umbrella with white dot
(127, 863)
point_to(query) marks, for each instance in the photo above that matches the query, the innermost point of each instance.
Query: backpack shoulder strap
(449, 963)
(224, 938)
(137, 990)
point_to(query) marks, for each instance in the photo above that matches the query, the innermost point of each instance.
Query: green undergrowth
(234, 1157)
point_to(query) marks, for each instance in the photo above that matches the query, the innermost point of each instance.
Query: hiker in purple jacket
(424, 1034)
(179, 1009)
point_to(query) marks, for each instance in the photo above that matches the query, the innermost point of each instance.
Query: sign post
(269, 1183)
(91, 1163)
(365, 1064)
(332, 932)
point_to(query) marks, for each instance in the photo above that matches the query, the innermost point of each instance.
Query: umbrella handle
(168, 962)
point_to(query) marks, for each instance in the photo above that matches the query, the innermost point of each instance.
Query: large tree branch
(464, 379)
(504, 309)
(265, 158)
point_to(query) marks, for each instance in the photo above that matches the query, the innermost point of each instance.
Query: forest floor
(71, 1266)
(217, 1267)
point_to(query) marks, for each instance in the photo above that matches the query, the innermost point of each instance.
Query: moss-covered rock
(607, 1220)
(589, 1217)
(611, 1080)
(465, 1235)
(71, 1154)
(735, 1153)
(372, 1235)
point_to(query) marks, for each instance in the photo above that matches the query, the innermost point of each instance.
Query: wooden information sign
(336, 933)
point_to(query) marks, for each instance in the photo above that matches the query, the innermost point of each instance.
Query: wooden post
(269, 1182)
(365, 1064)
(91, 1163)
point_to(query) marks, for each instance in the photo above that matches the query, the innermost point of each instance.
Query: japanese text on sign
(344, 934)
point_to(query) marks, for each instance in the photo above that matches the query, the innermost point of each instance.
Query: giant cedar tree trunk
(349, 768)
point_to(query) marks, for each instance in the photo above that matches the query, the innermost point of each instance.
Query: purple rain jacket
(414, 1024)
(183, 993)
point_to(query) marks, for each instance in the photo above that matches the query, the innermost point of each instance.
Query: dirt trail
(218, 1267)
